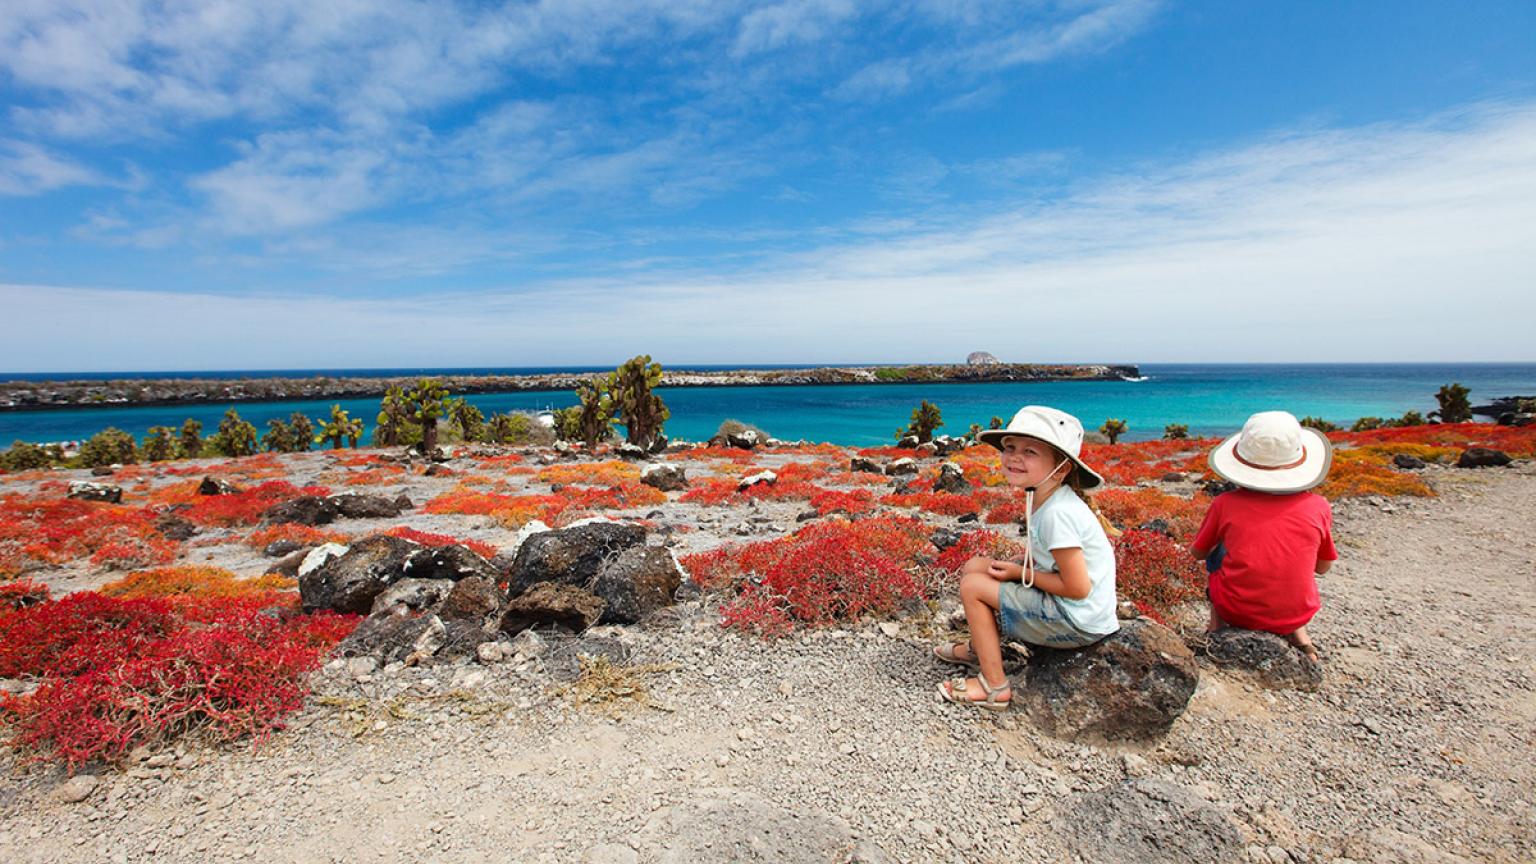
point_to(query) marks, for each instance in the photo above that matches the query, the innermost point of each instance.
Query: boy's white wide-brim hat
(1275, 454)
(1056, 428)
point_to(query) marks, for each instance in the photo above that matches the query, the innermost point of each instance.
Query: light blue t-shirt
(1065, 522)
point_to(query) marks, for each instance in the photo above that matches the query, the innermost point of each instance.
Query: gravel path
(1417, 748)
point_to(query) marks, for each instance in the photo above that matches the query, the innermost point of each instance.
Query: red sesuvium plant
(556, 509)
(1156, 573)
(479, 547)
(122, 672)
(304, 535)
(1131, 508)
(246, 506)
(37, 531)
(979, 544)
(195, 580)
(825, 573)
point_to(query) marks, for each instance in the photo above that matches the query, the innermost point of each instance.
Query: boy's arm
(1323, 566)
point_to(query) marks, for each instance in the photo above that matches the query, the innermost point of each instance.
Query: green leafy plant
(1112, 429)
(25, 456)
(635, 404)
(110, 446)
(427, 403)
(925, 419)
(303, 431)
(1454, 405)
(1366, 424)
(593, 418)
(1175, 432)
(278, 438)
(469, 419)
(391, 427)
(1319, 424)
(235, 437)
(189, 444)
(160, 444)
(340, 427)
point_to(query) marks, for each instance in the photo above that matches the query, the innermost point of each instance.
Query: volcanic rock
(1131, 685)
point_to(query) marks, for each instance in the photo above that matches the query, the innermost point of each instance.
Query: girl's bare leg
(979, 594)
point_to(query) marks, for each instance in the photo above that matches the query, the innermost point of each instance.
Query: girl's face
(1030, 462)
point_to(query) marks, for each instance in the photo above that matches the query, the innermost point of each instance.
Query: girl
(1063, 593)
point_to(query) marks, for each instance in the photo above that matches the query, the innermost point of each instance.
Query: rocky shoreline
(45, 395)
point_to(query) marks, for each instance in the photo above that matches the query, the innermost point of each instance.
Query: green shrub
(235, 437)
(341, 427)
(160, 444)
(1112, 429)
(1176, 432)
(110, 446)
(1319, 424)
(25, 456)
(631, 389)
(189, 444)
(925, 419)
(1454, 405)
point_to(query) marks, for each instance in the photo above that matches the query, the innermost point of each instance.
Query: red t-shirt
(1273, 544)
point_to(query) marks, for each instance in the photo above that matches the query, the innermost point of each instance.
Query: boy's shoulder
(1250, 500)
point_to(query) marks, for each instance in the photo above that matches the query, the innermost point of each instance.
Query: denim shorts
(1033, 617)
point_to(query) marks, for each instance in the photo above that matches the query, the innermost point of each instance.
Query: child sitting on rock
(1263, 542)
(1062, 594)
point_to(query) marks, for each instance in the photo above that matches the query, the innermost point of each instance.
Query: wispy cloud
(1373, 243)
(28, 169)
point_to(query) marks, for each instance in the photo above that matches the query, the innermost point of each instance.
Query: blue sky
(292, 184)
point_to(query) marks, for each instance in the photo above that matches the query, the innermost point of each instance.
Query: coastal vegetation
(170, 646)
(1112, 429)
(925, 418)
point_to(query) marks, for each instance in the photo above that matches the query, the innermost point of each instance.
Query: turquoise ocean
(1210, 399)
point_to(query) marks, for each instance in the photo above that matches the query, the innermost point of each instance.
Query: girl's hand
(1005, 571)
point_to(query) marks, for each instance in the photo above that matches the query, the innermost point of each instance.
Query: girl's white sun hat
(1056, 428)
(1274, 453)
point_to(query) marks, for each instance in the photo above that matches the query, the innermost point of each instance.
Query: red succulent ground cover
(826, 572)
(1517, 441)
(120, 672)
(304, 535)
(556, 509)
(1156, 573)
(1129, 508)
(246, 506)
(194, 580)
(38, 531)
(479, 547)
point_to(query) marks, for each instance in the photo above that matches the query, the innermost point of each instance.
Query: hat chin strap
(1028, 576)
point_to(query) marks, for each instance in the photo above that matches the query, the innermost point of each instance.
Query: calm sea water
(1210, 399)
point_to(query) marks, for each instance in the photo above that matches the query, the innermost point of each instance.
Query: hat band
(1239, 457)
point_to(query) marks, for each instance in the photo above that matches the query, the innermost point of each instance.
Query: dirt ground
(830, 744)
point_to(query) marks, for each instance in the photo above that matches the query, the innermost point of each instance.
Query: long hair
(1074, 482)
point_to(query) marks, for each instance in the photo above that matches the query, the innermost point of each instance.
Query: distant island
(44, 395)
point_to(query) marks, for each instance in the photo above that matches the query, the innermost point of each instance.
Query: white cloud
(1392, 242)
(28, 169)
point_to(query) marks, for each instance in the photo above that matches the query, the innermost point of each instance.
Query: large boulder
(1130, 685)
(904, 465)
(951, 479)
(215, 486)
(745, 439)
(350, 582)
(1482, 457)
(96, 492)
(304, 510)
(667, 478)
(411, 595)
(552, 604)
(1149, 822)
(572, 556)
(392, 636)
(471, 599)
(453, 562)
(1269, 659)
(356, 505)
(640, 580)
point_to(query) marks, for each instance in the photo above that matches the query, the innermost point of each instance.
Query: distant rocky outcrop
(980, 358)
(33, 395)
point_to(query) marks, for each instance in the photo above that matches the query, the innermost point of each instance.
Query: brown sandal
(954, 690)
(946, 652)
